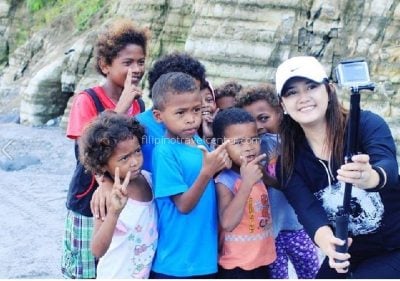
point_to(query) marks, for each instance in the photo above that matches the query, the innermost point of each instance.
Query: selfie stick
(342, 218)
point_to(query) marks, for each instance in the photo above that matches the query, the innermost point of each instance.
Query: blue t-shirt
(187, 243)
(154, 134)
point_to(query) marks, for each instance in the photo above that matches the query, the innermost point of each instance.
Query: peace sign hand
(119, 194)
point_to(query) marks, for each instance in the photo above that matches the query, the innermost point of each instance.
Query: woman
(312, 170)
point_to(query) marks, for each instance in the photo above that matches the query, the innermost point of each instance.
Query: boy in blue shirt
(183, 170)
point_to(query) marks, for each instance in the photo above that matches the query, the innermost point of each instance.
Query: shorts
(77, 261)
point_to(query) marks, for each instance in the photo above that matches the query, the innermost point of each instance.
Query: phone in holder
(353, 73)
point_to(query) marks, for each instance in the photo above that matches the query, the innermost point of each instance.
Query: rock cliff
(235, 39)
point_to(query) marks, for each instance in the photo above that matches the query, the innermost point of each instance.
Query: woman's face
(305, 101)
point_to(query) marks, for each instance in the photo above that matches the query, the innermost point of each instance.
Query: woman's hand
(327, 242)
(359, 172)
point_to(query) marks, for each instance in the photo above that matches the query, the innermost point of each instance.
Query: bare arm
(231, 207)
(213, 162)
(103, 233)
(104, 230)
(128, 95)
(99, 201)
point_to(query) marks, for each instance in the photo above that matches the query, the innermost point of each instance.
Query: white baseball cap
(304, 66)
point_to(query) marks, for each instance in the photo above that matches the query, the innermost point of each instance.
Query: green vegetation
(45, 12)
(33, 15)
(36, 5)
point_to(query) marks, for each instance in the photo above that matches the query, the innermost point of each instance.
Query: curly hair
(116, 37)
(177, 62)
(101, 137)
(228, 89)
(263, 91)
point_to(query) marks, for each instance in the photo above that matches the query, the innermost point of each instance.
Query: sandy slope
(33, 201)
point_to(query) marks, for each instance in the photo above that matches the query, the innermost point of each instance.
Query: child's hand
(119, 194)
(129, 93)
(216, 160)
(100, 197)
(251, 172)
(207, 120)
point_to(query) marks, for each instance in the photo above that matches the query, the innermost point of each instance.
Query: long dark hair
(292, 134)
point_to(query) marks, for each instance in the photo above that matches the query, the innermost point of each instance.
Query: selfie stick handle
(342, 218)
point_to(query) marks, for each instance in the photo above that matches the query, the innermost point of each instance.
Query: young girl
(292, 242)
(311, 172)
(247, 242)
(126, 240)
(120, 58)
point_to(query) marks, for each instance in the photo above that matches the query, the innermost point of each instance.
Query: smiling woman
(311, 172)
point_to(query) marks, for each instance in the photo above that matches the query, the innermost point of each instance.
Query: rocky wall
(235, 39)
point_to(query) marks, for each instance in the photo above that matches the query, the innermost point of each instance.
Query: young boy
(292, 242)
(183, 185)
(179, 62)
(120, 58)
(154, 131)
(247, 242)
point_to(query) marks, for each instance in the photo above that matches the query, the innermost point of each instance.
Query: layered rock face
(235, 39)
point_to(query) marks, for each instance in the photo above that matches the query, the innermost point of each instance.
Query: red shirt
(83, 110)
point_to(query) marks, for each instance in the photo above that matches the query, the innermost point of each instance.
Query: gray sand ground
(33, 200)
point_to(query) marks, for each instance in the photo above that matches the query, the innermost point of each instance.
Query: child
(292, 242)
(155, 132)
(225, 95)
(183, 185)
(126, 240)
(179, 62)
(120, 58)
(208, 111)
(247, 242)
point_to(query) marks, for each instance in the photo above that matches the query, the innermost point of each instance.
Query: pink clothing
(251, 244)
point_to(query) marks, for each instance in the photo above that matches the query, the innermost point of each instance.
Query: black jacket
(315, 193)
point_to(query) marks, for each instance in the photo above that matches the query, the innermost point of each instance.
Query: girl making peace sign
(126, 240)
